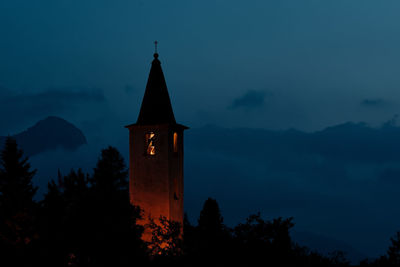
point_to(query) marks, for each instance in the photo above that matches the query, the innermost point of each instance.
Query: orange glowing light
(151, 148)
(175, 142)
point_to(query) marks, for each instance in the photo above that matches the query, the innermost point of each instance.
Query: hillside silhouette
(49, 134)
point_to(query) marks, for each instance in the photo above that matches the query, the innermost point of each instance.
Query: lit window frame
(150, 143)
(175, 142)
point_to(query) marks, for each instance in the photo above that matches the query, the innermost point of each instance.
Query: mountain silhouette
(49, 134)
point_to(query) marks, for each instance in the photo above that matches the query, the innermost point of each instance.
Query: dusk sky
(272, 65)
(310, 64)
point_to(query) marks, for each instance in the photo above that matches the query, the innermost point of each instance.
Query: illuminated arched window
(150, 144)
(175, 142)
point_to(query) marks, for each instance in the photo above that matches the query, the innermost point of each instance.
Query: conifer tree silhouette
(213, 237)
(17, 207)
(53, 238)
(110, 174)
(211, 220)
(93, 217)
(16, 188)
(394, 250)
(116, 239)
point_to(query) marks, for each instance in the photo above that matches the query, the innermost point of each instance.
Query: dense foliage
(87, 220)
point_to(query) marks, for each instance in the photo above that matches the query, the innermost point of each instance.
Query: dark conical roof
(156, 105)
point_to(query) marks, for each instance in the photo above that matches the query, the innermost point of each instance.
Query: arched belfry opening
(156, 154)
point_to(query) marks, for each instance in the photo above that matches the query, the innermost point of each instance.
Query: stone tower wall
(156, 181)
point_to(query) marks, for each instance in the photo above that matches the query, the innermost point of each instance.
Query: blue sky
(272, 65)
(315, 63)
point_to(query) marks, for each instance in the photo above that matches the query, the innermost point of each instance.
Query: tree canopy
(87, 220)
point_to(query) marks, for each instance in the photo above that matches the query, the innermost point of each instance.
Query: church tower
(156, 154)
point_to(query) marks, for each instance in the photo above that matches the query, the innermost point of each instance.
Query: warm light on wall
(151, 148)
(175, 142)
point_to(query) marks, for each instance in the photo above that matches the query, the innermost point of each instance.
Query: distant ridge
(49, 134)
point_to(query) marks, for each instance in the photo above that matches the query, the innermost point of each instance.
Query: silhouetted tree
(65, 220)
(305, 257)
(52, 227)
(116, 236)
(338, 258)
(78, 221)
(16, 188)
(392, 258)
(189, 237)
(212, 244)
(17, 207)
(258, 240)
(394, 250)
(211, 220)
(166, 240)
(90, 219)
(110, 174)
(75, 187)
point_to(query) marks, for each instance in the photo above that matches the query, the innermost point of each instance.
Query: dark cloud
(51, 100)
(18, 110)
(250, 100)
(373, 102)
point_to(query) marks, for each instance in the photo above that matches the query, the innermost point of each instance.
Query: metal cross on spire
(155, 46)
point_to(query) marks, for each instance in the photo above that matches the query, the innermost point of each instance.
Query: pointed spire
(156, 105)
